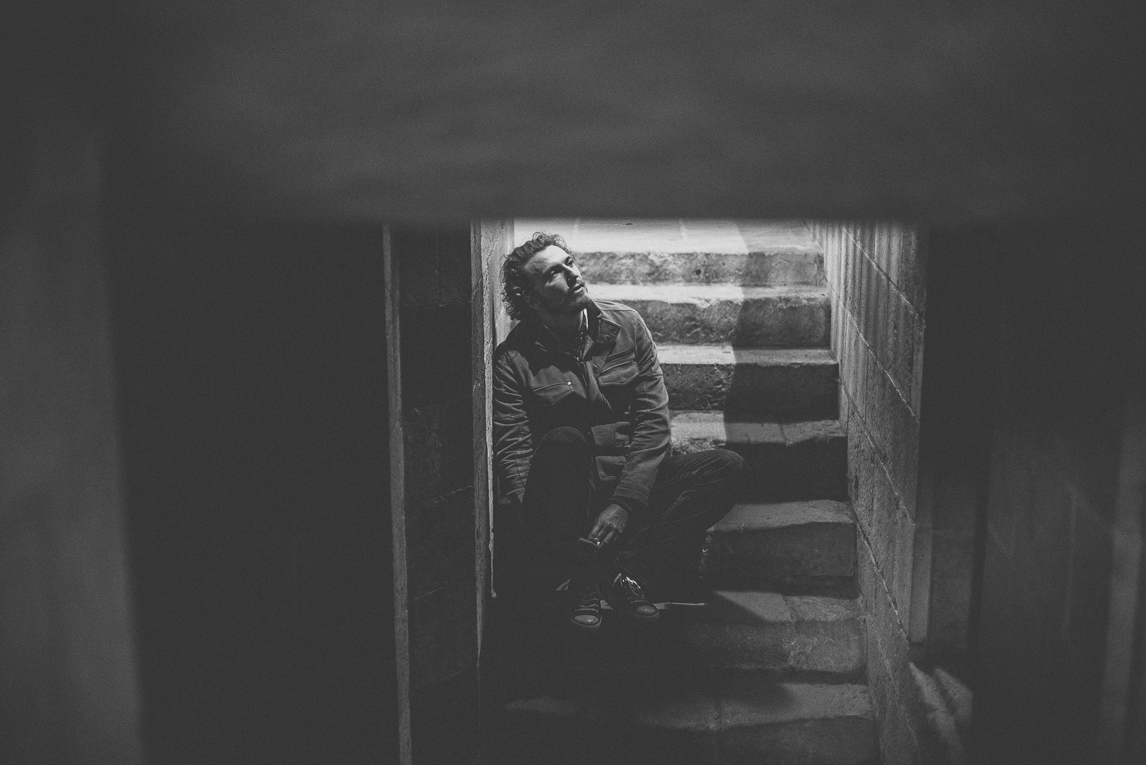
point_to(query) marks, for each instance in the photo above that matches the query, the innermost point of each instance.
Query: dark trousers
(691, 493)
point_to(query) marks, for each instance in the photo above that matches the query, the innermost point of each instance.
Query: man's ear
(531, 301)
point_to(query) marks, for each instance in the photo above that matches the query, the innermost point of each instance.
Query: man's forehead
(545, 258)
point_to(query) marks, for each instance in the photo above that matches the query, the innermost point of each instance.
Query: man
(581, 441)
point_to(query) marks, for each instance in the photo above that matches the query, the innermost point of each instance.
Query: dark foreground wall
(67, 665)
(437, 413)
(252, 401)
(1069, 353)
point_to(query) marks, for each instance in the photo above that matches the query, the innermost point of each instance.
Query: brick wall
(1070, 350)
(876, 276)
(437, 412)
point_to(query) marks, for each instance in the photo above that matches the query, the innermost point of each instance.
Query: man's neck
(567, 326)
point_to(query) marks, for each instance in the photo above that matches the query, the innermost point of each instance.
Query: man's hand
(610, 523)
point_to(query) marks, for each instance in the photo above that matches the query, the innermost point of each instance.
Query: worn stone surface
(797, 723)
(780, 542)
(790, 384)
(794, 266)
(777, 634)
(811, 463)
(735, 719)
(783, 317)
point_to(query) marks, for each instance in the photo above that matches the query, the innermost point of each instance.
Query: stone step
(777, 317)
(749, 253)
(788, 542)
(772, 383)
(785, 460)
(770, 632)
(765, 631)
(726, 718)
(768, 268)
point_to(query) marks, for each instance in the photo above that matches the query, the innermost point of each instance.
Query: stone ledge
(785, 461)
(778, 542)
(753, 383)
(784, 317)
(734, 717)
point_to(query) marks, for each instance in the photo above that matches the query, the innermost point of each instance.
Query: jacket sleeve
(512, 438)
(650, 418)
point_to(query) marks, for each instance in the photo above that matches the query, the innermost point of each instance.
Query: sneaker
(627, 594)
(584, 604)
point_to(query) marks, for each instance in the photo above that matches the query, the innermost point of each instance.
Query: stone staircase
(770, 669)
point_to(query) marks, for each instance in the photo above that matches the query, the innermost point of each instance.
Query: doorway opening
(799, 345)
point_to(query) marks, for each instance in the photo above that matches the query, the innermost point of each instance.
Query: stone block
(442, 628)
(872, 397)
(911, 275)
(885, 520)
(886, 626)
(866, 578)
(903, 567)
(901, 357)
(439, 449)
(864, 467)
(895, 253)
(787, 317)
(440, 542)
(883, 312)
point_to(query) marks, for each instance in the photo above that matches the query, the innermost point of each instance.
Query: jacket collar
(603, 331)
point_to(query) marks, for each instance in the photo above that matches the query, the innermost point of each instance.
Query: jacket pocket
(618, 370)
(554, 392)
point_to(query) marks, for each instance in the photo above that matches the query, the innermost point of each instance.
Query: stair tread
(702, 293)
(764, 607)
(735, 699)
(592, 235)
(711, 425)
(683, 353)
(762, 516)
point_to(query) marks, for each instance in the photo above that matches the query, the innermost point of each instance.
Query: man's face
(557, 284)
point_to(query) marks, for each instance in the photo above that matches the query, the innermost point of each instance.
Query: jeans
(690, 494)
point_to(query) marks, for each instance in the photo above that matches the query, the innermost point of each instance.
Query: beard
(571, 303)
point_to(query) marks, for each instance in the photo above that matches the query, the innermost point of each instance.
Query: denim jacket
(616, 396)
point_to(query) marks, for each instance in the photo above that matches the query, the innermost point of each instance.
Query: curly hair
(515, 284)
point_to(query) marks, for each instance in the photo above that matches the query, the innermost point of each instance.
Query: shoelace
(588, 596)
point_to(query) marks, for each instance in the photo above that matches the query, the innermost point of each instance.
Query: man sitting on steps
(581, 442)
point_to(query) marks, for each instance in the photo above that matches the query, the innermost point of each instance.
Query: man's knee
(565, 436)
(727, 462)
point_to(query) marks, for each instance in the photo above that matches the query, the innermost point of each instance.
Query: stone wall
(437, 413)
(876, 276)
